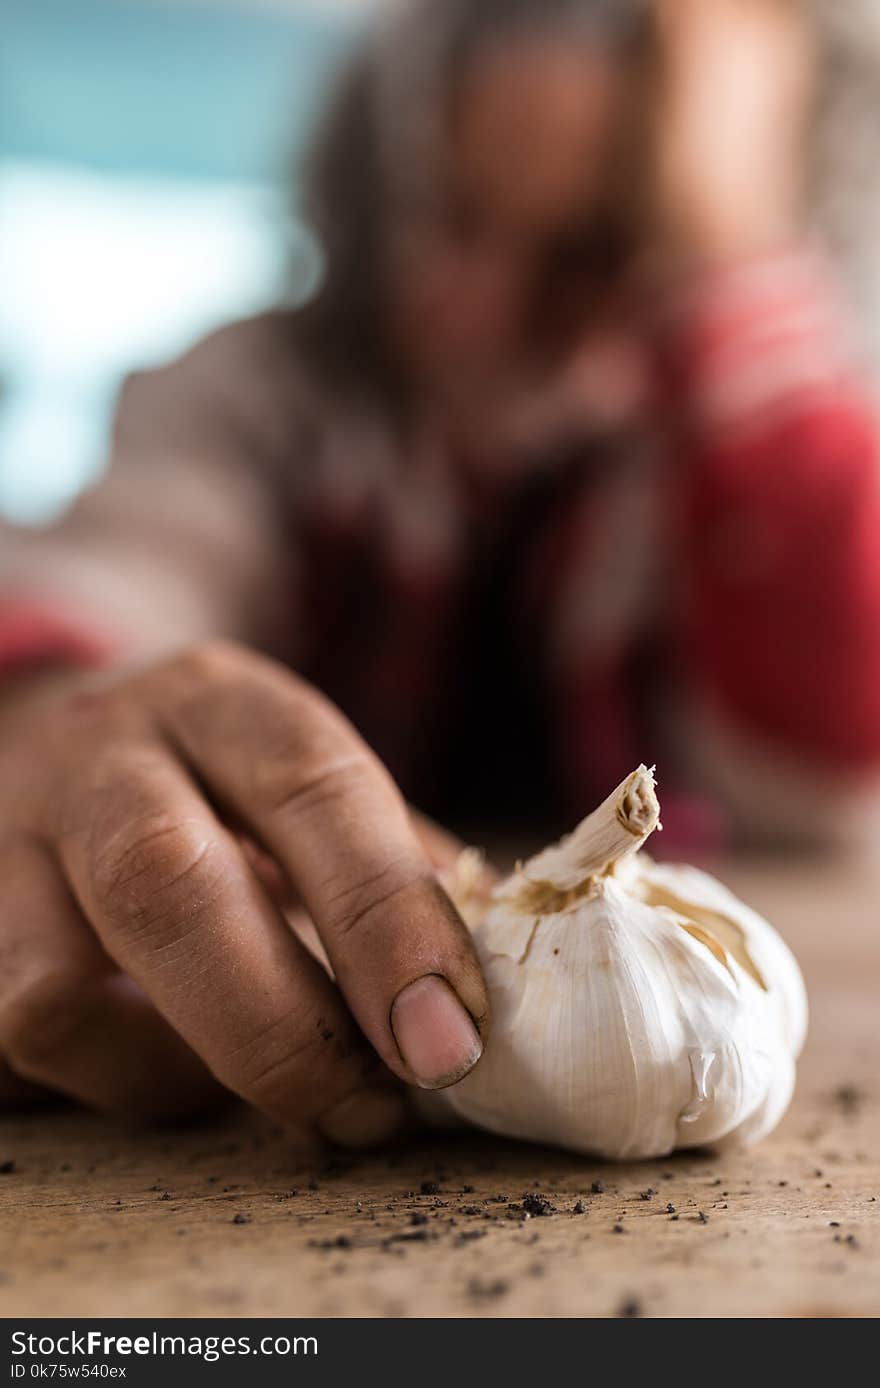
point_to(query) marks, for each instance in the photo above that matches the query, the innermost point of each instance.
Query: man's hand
(732, 101)
(143, 957)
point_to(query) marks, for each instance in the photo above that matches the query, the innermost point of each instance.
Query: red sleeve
(780, 531)
(33, 634)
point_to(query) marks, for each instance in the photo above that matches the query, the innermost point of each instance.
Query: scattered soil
(538, 1206)
(630, 1308)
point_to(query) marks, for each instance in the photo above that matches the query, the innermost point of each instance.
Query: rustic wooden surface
(225, 1220)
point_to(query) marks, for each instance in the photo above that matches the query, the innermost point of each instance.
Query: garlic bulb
(637, 1008)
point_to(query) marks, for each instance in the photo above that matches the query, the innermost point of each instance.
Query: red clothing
(781, 524)
(32, 635)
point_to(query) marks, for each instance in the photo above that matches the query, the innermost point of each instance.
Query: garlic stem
(617, 828)
(637, 806)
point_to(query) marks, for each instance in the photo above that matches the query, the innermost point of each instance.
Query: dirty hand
(143, 959)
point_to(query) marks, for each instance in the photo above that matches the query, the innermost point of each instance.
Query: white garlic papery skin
(637, 1008)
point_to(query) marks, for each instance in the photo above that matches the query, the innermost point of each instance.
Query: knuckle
(288, 1067)
(156, 871)
(354, 910)
(101, 774)
(291, 783)
(208, 661)
(43, 1019)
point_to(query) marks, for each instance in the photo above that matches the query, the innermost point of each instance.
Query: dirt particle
(617, 1229)
(514, 1211)
(429, 1188)
(538, 1205)
(848, 1098)
(8, 1167)
(598, 1187)
(241, 1218)
(480, 1290)
(341, 1241)
(580, 1208)
(630, 1309)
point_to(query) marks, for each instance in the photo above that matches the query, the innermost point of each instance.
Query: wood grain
(96, 1220)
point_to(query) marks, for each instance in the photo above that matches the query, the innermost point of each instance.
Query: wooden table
(225, 1220)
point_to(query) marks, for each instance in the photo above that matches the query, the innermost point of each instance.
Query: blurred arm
(187, 534)
(779, 535)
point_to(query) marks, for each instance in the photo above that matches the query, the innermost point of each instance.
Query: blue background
(145, 147)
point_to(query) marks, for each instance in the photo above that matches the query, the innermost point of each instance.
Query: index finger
(292, 767)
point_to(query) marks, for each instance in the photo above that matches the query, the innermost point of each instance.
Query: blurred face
(521, 256)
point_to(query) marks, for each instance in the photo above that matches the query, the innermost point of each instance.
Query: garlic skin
(637, 1008)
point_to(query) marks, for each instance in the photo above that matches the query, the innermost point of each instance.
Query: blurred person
(570, 463)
